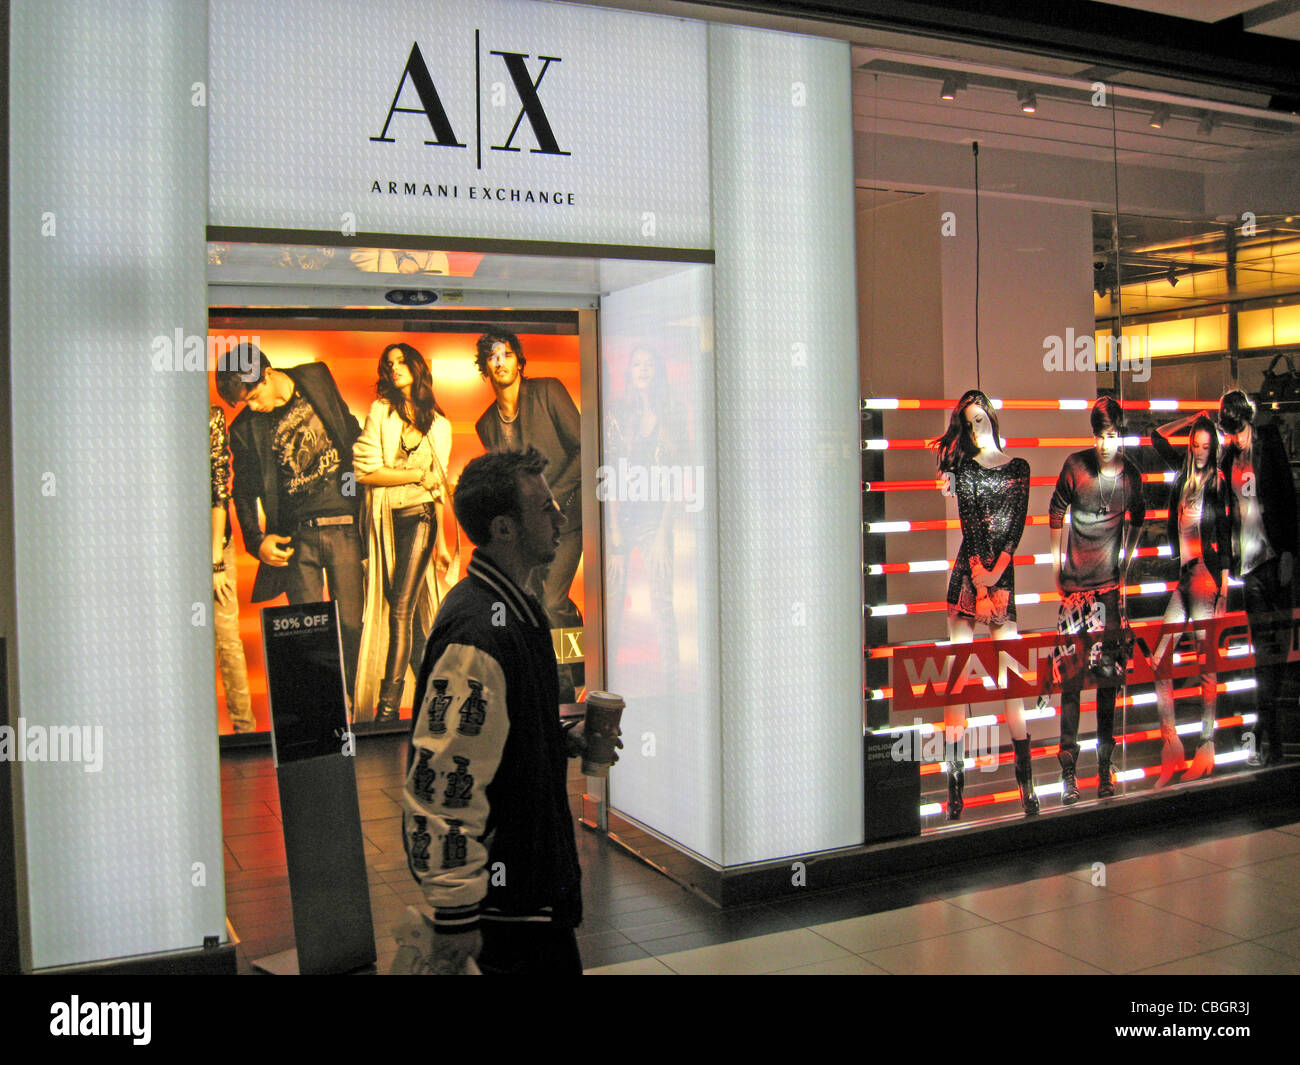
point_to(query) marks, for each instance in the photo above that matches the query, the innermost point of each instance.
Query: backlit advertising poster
(332, 478)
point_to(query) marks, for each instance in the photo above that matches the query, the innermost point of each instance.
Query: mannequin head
(1107, 429)
(972, 428)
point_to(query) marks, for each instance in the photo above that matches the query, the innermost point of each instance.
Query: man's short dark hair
(489, 486)
(1236, 411)
(1107, 414)
(233, 384)
(483, 350)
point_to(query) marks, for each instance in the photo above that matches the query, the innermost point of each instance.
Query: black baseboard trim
(1099, 821)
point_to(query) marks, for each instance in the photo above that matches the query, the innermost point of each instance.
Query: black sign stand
(313, 750)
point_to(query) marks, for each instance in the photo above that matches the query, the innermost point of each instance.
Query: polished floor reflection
(1221, 898)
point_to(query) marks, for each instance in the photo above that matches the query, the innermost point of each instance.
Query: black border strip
(1216, 53)
(549, 248)
(430, 319)
(1096, 827)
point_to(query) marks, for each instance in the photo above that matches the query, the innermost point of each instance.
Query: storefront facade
(798, 211)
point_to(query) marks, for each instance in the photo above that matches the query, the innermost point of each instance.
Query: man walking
(485, 812)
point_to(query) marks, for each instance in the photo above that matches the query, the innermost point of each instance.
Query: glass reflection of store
(1001, 267)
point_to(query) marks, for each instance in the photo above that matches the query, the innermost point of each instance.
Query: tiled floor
(1197, 899)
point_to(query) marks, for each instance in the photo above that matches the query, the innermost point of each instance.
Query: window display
(1131, 639)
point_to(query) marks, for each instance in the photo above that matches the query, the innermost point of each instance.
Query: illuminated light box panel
(112, 527)
(788, 432)
(612, 147)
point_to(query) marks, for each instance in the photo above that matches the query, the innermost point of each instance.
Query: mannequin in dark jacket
(1264, 545)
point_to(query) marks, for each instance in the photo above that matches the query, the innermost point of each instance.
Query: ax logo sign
(527, 86)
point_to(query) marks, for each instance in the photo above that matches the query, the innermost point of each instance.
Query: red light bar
(918, 443)
(940, 524)
(876, 403)
(936, 484)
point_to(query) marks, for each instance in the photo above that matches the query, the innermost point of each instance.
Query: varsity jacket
(485, 812)
(257, 476)
(548, 421)
(1275, 490)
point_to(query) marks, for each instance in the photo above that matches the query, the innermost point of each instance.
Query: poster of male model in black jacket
(539, 412)
(485, 813)
(291, 446)
(1264, 544)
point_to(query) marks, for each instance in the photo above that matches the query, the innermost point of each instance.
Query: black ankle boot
(1105, 779)
(1069, 785)
(388, 711)
(1025, 776)
(956, 781)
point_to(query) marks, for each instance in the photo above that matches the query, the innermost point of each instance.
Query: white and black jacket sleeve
(460, 733)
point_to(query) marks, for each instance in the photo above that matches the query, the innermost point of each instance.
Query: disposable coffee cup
(604, 711)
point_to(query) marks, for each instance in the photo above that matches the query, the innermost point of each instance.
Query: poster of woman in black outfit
(992, 491)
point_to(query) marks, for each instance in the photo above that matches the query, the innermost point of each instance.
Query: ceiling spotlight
(1172, 276)
(1207, 124)
(952, 84)
(1159, 117)
(1028, 101)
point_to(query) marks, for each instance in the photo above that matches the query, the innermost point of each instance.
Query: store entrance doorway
(344, 308)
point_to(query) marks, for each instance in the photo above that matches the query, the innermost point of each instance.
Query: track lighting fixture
(952, 85)
(1159, 116)
(1028, 100)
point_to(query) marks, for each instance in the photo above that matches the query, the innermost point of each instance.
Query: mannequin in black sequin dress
(992, 491)
(992, 502)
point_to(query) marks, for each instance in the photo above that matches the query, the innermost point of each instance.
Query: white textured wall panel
(108, 158)
(789, 504)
